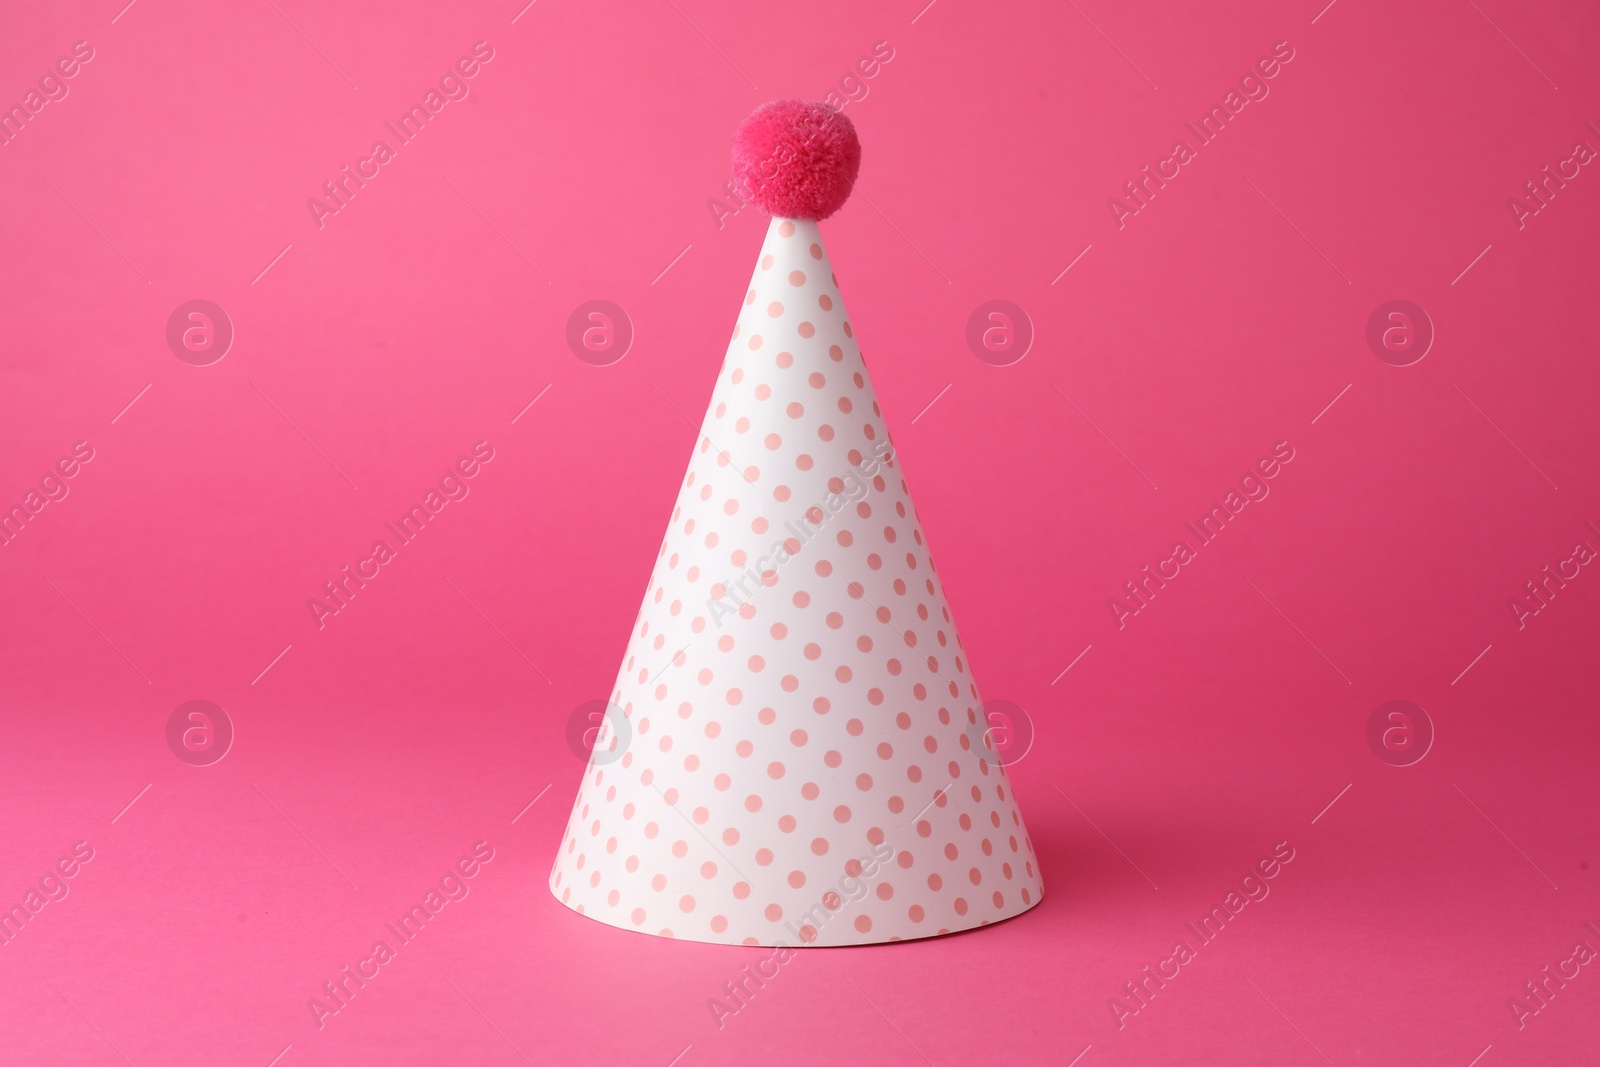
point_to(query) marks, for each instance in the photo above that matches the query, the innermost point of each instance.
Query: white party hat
(795, 751)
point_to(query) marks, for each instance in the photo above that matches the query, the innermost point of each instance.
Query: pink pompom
(795, 159)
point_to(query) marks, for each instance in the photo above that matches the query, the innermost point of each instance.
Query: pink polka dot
(805, 329)
(786, 228)
(774, 912)
(774, 309)
(797, 277)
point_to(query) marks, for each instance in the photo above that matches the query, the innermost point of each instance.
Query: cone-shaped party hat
(795, 751)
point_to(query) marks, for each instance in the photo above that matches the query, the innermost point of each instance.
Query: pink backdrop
(1173, 346)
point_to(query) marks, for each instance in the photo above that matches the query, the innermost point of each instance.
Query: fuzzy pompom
(796, 159)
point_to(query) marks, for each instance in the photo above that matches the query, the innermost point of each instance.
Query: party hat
(795, 752)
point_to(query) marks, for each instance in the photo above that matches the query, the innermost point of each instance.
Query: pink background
(1223, 318)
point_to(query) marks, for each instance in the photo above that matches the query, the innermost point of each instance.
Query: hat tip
(796, 159)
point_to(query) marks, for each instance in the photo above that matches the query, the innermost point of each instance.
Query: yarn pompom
(796, 159)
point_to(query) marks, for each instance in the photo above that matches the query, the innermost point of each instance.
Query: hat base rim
(845, 937)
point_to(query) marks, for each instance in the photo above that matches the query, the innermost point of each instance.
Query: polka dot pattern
(798, 768)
